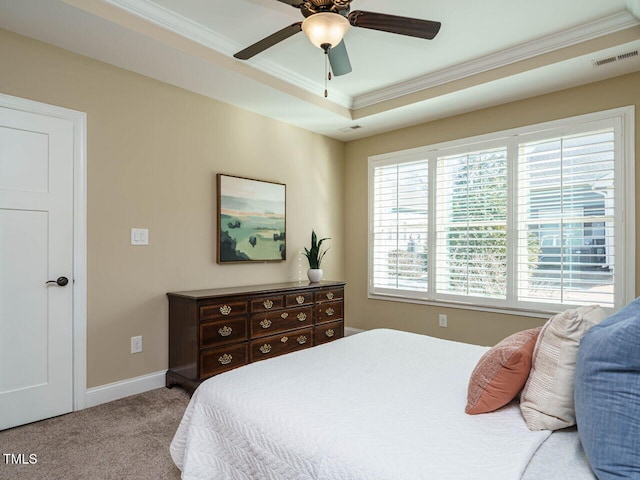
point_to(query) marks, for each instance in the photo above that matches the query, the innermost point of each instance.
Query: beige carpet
(120, 440)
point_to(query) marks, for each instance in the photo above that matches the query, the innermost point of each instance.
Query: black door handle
(61, 281)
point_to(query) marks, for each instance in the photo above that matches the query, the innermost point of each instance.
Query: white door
(36, 245)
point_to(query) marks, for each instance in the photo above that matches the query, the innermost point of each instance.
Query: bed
(382, 404)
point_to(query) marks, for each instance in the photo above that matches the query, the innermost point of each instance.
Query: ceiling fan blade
(413, 27)
(339, 59)
(269, 41)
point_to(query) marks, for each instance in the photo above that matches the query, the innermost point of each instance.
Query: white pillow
(547, 399)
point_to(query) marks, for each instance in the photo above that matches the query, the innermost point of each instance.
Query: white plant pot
(314, 274)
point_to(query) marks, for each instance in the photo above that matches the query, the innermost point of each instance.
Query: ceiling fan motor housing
(311, 7)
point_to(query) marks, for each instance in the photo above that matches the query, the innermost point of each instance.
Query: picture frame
(251, 220)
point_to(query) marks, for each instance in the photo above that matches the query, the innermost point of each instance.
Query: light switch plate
(139, 236)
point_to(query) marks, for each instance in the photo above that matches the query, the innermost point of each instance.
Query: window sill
(475, 307)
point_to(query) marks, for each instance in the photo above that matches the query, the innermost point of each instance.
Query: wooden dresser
(212, 331)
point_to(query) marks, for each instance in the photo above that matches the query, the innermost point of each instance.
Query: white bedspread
(378, 405)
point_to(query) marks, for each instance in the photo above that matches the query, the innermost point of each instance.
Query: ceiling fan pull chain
(326, 62)
(327, 69)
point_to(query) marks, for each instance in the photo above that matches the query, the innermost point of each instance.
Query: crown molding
(178, 24)
(550, 43)
(634, 7)
(181, 25)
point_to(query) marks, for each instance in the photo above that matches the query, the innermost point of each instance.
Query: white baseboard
(351, 331)
(124, 388)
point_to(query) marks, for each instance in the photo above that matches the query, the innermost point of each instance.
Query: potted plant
(315, 256)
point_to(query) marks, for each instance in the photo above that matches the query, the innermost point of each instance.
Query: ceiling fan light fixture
(325, 28)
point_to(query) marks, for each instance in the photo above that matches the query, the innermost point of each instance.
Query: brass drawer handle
(267, 304)
(300, 299)
(225, 310)
(266, 323)
(330, 333)
(225, 359)
(266, 348)
(301, 339)
(284, 339)
(301, 316)
(284, 315)
(225, 331)
(330, 295)
(330, 311)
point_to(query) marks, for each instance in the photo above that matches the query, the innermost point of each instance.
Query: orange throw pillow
(501, 373)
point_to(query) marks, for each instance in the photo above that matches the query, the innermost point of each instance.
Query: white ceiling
(486, 53)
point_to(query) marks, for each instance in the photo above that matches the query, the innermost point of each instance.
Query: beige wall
(464, 325)
(153, 152)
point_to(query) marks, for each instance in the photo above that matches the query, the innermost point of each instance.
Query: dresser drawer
(328, 332)
(275, 345)
(222, 310)
(222, 359)
(301, 298)
(267, 303)
(268, 323)
(329, 311)
(329, 295)
(227, 331)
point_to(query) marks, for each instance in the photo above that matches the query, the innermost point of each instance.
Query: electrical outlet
(442, 320)
(136, 344)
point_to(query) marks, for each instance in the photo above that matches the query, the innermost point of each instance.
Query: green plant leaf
(315, 254)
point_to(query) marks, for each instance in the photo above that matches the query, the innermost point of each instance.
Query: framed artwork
(251, 220)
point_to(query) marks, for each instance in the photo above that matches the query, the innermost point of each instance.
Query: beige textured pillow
(547, 399)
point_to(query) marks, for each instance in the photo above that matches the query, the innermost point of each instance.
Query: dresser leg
(173, 379)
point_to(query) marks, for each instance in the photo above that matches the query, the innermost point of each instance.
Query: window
(471, 225)
(565, 188)
(534, 219)
(401, 216)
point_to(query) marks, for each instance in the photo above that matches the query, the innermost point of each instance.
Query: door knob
(61, 281)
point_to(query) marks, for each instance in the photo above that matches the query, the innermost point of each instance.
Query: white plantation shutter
(399, 227)
(566, 219)
(536, 219)
(471, 225)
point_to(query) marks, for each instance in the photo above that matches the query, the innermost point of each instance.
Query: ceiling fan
(326, 22)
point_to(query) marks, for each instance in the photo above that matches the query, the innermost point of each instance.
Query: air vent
(624, 56)
(351, 128)
(604, 61)
(614, 58)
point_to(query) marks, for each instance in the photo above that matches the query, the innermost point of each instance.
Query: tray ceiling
(486, 53)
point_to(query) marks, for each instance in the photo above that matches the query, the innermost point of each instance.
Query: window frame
(623, 120)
